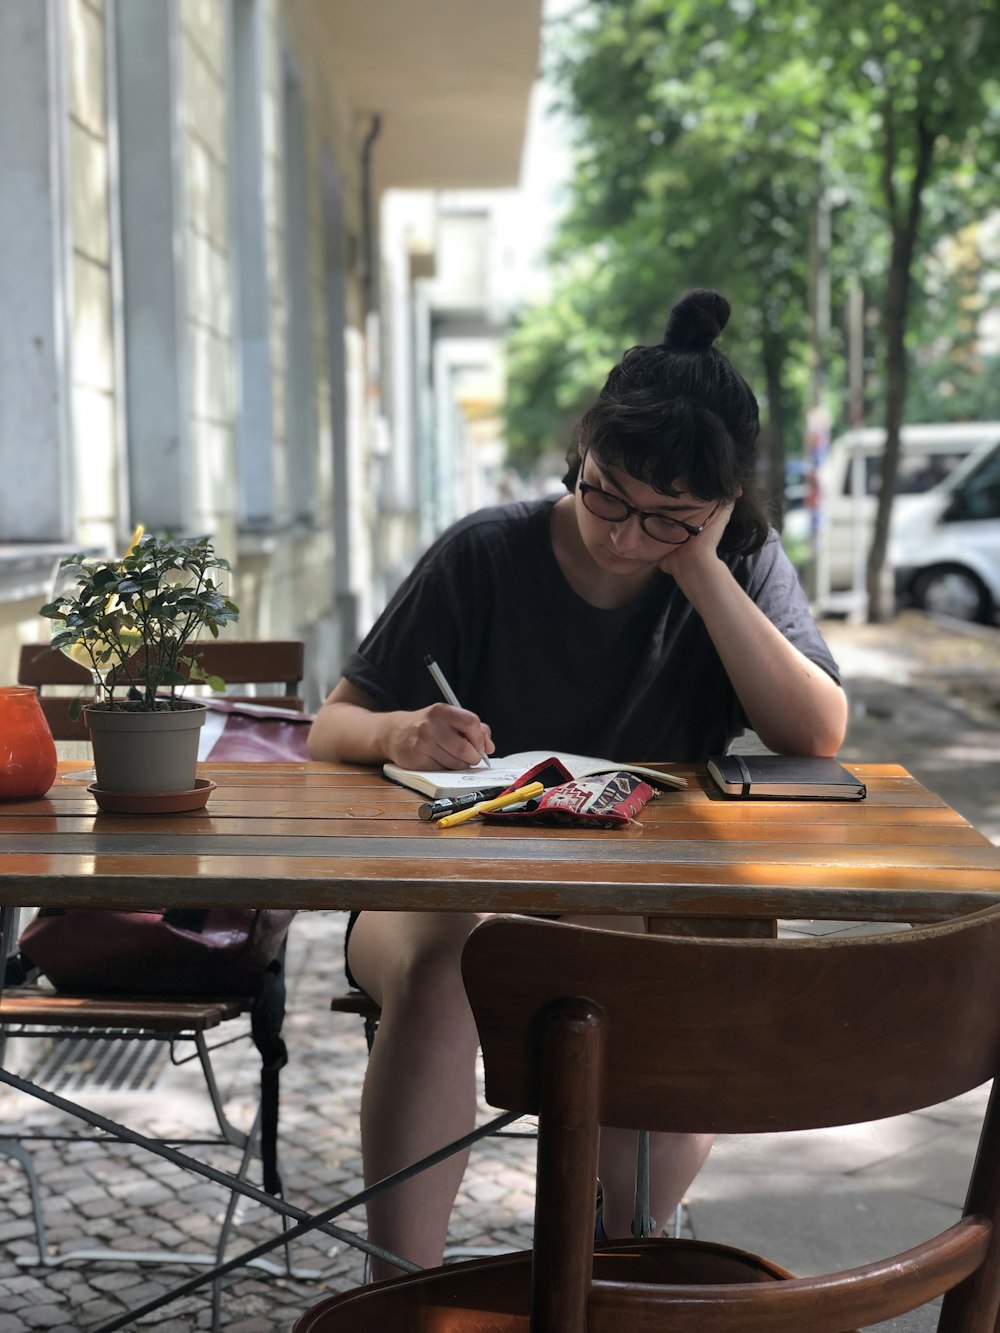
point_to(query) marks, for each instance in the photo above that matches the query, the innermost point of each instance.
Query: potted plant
(132, 620)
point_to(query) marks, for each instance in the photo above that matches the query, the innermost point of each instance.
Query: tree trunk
(774, 433)
(905, 224)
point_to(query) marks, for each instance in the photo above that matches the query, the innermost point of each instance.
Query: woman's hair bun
(696, 321)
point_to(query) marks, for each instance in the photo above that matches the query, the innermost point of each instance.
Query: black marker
(450, 805)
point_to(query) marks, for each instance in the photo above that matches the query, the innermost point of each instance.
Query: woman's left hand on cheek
(705, 546)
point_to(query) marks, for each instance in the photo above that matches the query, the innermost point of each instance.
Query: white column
(153, 262)
(255, 415)
(36, 482)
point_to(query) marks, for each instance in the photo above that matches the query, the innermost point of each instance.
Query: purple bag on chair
(254, 732)
(156, 951)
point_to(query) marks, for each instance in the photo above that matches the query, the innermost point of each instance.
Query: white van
(849, 479)
(945, 550)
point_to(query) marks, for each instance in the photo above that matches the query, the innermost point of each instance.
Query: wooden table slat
(914, 830)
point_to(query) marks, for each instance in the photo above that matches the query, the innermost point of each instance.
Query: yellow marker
(136, 536)
(498, 803)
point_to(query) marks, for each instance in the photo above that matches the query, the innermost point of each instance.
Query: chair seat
(35, 1007)
(355, 1002)
(493, 1295)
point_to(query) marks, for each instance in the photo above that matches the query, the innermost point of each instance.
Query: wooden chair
(591, 1027)
(274, 663)
(88, 1023)
(98, 1019)
(360, 1003)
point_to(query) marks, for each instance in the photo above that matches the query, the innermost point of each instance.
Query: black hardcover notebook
(794, 777)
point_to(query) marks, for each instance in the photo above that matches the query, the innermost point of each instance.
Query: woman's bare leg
(674, 1159)
(419, 1091)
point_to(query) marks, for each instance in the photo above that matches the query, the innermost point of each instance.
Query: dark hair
(681, 411)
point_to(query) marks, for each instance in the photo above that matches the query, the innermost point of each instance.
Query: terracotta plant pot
(139, 750)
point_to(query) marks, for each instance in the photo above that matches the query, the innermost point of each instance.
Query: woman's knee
(412, 964)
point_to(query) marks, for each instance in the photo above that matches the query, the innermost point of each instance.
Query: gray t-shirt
(545, 669)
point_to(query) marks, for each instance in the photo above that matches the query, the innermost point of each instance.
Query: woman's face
(623, 543)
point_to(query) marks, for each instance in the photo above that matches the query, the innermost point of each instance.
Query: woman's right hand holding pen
(350, 728)
(441, 736)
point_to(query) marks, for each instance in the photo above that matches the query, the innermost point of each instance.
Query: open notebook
(503, 771)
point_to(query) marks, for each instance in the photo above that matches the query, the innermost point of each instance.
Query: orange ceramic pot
(27, 750)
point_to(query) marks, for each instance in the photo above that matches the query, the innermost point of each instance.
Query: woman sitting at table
(649, 614)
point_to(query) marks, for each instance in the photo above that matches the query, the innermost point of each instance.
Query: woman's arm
(349, 727)
(792, 704)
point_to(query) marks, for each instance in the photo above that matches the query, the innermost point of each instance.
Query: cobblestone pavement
(926, 694)
(922, 693)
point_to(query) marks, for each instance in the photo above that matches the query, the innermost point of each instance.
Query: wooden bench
(270, 662)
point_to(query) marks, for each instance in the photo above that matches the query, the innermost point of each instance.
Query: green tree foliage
(952, 378)
(707, 132)
(675, 186)
(557, 358)
(921, 79)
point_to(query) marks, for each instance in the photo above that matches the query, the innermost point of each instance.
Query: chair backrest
(278, 662)
(738, 1036)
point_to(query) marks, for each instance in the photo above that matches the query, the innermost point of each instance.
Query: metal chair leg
(227, 1129)
(10, 1148)
(642, 1224)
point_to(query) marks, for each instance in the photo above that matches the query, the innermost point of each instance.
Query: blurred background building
(254, 283)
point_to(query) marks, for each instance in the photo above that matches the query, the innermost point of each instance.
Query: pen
(498, 803)
(449, 693)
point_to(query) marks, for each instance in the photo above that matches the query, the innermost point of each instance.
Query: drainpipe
(371, 265)
(373, 348)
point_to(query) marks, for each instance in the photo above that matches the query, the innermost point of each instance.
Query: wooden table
(335, 836)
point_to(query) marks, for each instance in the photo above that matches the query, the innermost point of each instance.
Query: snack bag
(603, 800)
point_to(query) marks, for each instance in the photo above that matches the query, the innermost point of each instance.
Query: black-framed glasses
(613, 509)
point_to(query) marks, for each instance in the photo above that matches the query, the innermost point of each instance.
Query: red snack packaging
(603, 800)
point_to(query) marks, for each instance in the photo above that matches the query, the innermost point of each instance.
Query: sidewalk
(921, 695)
(926, 694)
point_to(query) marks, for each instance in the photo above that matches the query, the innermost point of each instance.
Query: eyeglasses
(613, 509)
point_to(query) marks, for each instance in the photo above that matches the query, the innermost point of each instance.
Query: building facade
(223, 303)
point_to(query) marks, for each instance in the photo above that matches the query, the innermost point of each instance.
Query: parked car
(945, 549)
(850, 475)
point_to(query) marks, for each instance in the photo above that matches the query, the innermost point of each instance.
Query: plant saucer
(152, 802)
